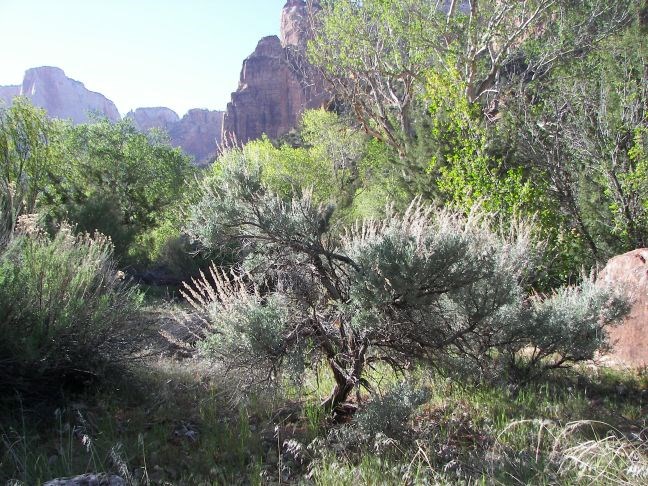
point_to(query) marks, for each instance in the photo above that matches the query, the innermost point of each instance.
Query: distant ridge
(61, 97)
(198, 133)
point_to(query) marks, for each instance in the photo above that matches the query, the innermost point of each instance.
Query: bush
(388, 414)
(65, 312)
(423, 285)
(249, 326)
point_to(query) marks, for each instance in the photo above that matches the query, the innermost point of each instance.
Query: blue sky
(177, 53)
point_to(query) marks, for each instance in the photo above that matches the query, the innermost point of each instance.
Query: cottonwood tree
(422, 286)
(586, 131)
(375, 53)
(112, 178)
(24, 159)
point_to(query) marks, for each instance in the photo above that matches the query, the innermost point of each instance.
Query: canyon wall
(277, 83)
(61, 97)
(198, 133)
(158, 117)
(8, 93)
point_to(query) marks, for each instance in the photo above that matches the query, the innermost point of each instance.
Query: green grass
(178, 422)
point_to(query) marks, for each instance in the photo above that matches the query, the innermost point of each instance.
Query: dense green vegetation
(100, 177)
(400, 292)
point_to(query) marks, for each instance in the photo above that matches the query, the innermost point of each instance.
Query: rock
(88, 480)
(8, 93)
(630, 273)
(277, 83)
(146, 118)
(198, 133)
(62, 97)
(294, 23)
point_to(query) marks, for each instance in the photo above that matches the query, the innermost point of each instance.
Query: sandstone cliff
(198, 133)
(159, 117)
(294, 23)
(277, 84)
(62, 97)
(7, 93)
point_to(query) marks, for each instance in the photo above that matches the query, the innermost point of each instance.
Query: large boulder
(629, 272)
(277, 84)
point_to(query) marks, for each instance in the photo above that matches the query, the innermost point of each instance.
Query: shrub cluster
(421, 285)
(65, 311)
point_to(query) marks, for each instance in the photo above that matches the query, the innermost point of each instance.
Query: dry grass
(616, 458)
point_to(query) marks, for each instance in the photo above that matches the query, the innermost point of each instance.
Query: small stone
(92, 479)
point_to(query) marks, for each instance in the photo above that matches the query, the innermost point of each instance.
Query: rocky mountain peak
(197, 133)
(295, 29)
(63, 97)
(268, 46)
(153, 117)
(277, 84)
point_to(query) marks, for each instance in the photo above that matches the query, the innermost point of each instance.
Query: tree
(417, 286)
(375, 54)
(24, 159)
(607, 130)
(112, 178)
(582, 134)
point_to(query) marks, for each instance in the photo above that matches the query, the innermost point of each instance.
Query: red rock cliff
(197, 133)
(159, 117)
(276, 83)
(7, 93)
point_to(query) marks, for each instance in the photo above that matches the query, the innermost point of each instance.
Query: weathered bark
(343, 387)
(345, 382)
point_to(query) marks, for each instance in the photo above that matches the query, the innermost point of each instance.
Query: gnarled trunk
(345, 382)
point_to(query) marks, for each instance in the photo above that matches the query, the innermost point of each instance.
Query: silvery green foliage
(423, 285)
(569, 321)
(248, 328)
(66, 313)
(247, 332)
(566, 327)
(437, 278)
(237, 210)
(389, 413)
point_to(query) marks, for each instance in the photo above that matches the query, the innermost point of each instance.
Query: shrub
(424, 285)
(389, 413)
(248, 325)
(564, 327)
(65, 312)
